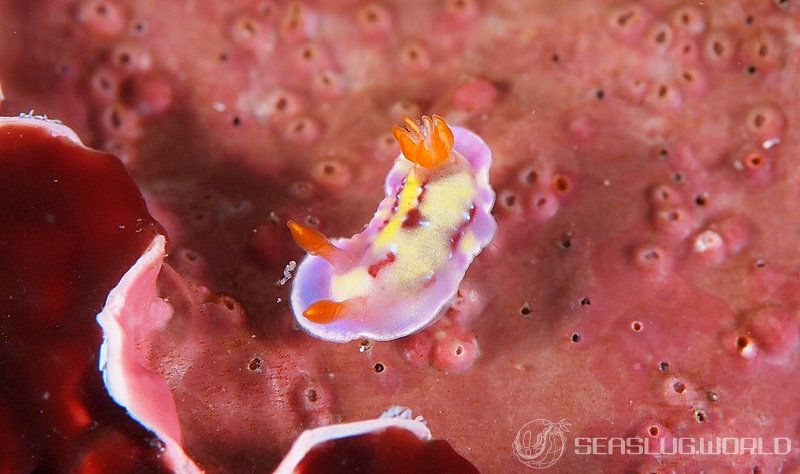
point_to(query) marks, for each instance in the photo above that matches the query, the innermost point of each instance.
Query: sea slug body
(397, 276)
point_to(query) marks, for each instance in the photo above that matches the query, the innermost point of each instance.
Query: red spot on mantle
(413, 219)
(380, 264)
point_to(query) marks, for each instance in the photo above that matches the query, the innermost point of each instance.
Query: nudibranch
(397, 276)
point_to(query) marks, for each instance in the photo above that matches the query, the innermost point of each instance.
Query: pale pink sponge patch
(395, 417)
(395, 277)
(393, 443)
(131, 312)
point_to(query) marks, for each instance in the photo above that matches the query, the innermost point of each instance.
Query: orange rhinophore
(326, 311)
(428, 143)
(315, 243)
